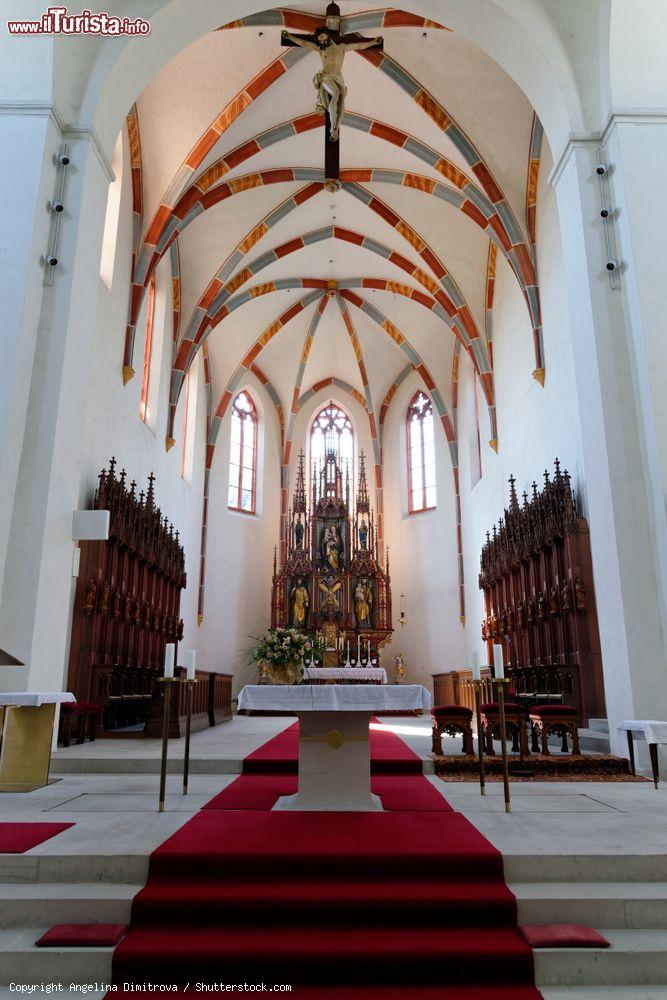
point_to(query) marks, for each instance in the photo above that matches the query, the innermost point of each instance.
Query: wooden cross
(332, 28)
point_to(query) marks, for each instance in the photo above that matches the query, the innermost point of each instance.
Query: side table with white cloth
(334, 745)
(651, 730)
(27, 735)
(346, 675)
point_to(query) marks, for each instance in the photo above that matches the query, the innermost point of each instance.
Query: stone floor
(588, 852)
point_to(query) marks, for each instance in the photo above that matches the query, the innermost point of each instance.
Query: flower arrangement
(282, 651)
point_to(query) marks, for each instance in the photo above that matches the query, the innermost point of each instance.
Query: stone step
(633, 905)
(62, 764)
(34, 904)
(21, 962)
(584, 868)
(599, 725)
(44, 868)
(635, 958)
(594, 741)
(598, 993)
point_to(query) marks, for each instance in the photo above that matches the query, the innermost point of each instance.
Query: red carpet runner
(409, 902)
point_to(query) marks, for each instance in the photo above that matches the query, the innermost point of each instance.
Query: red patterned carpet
(409, 902)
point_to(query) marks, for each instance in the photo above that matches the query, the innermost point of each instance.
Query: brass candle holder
(168, 682)
(501, 682)
(189, 691)
(477, 684)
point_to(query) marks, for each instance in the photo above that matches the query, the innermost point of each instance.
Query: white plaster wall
(535, 424)
(112, 425)
(239, 555)
(423, 555)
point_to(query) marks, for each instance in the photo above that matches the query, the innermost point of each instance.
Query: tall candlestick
(498, 663)
(368, 654)
(358, 650)
(476, 672)
(169, 654)
(192, 664)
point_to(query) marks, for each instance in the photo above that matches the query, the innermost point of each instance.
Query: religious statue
(541, 608)
(485, 632)
(300, 602)
(330, 589)
(399, 666)
(116, 600)
(530, 616)
(298, 533)
(521, 614)
(329, 82)
(553, 600)
(136, 611)
(103, 595)
(127, 608)
(363, 602)
(363, 533)
(567, 597)
(89, 598)
(332, 548)
(580, 594)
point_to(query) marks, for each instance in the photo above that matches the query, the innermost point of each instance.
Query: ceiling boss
(331, 46)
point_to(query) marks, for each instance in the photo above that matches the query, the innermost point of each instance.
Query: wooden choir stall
(127, 608)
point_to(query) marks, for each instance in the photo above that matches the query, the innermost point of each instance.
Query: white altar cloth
(33, 699)
(334, 698)
(347, 673)
(652, 730)
(334, 744)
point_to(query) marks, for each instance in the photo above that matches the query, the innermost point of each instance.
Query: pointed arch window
(332, 432)
(148, 352)
(421, 454)
(243, 455)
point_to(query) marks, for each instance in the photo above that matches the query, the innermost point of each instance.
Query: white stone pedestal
(334, 764)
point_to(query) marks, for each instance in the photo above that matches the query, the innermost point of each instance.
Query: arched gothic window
(421, 454)
(243, 455)
(148, 353)
(332, 431)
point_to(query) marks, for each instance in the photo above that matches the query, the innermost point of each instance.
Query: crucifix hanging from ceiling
(331, 46)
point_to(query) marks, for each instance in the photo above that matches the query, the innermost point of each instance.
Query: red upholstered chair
(559, 719)
(452, 720)
(516, 719)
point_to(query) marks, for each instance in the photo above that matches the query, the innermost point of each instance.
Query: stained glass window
(332, 432)
(243, 455)
(421, 454)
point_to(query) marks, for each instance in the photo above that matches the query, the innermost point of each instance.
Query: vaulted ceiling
(273, 270)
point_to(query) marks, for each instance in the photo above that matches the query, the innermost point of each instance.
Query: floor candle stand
(189, 693)
(477, 684)
(501, 682)
(168, 682)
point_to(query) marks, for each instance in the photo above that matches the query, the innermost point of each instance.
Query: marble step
(635, 958)
(599, 725)
(46, 903)
(599, 868)
(62, 764)
(631, 905)
(597, 993)
(594, 741)
(78, 868)
(21, 962)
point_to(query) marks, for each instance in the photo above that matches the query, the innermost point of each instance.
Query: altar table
(334, 747)
(27, 734)
(370, 675)
(654, 732)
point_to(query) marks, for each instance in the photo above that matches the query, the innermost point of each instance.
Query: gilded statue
(580, 594)
(329, 82)
(104, 595)
(363, 533)
(89, 598)
(300, 603)
(567, 597)
(363, 602)
(521, 614)
(298, 533)
(553, 600)
(115, 603)
(541, 608)
(399, 666)
(332, 548)
(330, 589)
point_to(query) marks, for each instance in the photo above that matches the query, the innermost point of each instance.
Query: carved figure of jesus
(329, 82)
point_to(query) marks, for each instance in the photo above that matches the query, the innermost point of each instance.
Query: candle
(192, 664)
(169, 653)
(358, 649)
(368, 654)
(498, 663)
(476, 672)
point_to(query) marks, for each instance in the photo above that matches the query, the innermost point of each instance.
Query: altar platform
(583, 853)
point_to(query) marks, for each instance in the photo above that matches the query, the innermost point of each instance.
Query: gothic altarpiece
(330, 582)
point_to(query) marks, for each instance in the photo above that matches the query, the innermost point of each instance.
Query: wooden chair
(516, 719)
(559, 719)
(453, 720)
